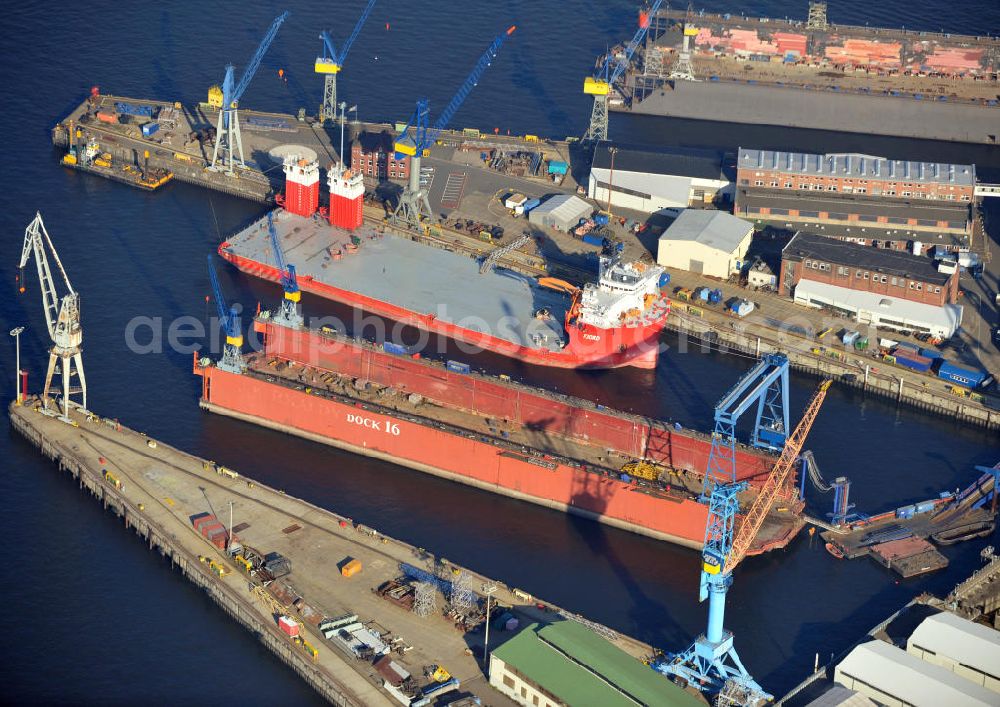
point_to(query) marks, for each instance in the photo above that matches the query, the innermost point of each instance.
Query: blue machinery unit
(417, 137)
(602, 83)
(841, 487)
(331, 63)
(232, 357)
(228, 152)
(289, 314)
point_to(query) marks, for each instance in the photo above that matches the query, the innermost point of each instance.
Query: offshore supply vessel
(614, 322)
(565, 453)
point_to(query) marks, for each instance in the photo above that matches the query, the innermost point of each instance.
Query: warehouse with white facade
(562, 212)
(964, 647)
(650, 180)
(891, 676)
(711, 243)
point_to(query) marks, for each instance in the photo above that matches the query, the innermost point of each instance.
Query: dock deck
(158, 489)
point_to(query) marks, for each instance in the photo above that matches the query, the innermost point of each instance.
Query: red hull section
(471, 461)
(591, 348)
(633, 436)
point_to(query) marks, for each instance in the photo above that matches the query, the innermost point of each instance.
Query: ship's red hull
(672, 517)
(588, 347)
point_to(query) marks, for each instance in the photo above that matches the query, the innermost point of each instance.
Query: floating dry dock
(157, 490)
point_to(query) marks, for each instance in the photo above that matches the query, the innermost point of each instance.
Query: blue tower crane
(711, 662)
(331, 63)
(417, 137)
(229, 321)
(289, 314)
(606, 78)
(228, 152)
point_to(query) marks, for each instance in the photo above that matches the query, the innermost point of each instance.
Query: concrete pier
(156, 489)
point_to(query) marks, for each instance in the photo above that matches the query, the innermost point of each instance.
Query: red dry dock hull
(468, 460)
(588, 347)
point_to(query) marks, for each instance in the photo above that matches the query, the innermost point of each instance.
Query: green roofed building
(565, 663)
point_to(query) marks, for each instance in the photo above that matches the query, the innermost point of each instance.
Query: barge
(491, 433)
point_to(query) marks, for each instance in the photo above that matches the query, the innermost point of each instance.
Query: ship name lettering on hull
(390, 428)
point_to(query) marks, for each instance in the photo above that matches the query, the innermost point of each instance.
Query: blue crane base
(709, 665)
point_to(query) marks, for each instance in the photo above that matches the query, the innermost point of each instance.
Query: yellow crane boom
(754, 518)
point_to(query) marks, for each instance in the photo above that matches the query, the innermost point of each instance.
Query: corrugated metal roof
(565, 207)
(673, 161)
(857, 165)
(840, 696)
(969, 643)
(906, 677)
(908, 312)
(580, 668)
(715, 229)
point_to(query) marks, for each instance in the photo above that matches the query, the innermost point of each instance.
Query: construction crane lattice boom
(332, 61)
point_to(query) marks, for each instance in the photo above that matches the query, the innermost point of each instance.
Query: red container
(107, 117)
(219, 540)
(200, 521)
(288, 625)
(210, 528)
(212, 533)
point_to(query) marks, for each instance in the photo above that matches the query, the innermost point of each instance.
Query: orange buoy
(281, 73)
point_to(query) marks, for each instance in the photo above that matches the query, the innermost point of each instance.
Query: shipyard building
(373, 154)
(565, 663)
(647, 180)
(706, 242)
(886, 288)
(867, 200)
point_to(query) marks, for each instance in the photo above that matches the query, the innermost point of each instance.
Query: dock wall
(952, 406)
(89, 479)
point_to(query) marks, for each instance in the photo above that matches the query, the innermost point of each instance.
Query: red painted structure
(434, 447)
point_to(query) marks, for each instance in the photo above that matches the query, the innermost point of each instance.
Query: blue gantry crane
(609, 73)
(289, 313)
(417, 136)
(711, 662)
(229, 321)
(228, 152)
(331, 63)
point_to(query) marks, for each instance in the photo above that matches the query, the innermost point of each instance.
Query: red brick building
(864, 269)
(373, 155)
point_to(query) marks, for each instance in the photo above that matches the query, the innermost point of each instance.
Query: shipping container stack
(301, 186)
(212, 530)
(347, 197)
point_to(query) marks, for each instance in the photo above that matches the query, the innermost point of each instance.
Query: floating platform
(909, 557)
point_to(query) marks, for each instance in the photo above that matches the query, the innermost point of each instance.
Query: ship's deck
(415, 277)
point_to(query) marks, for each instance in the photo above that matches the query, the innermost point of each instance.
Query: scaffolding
(817, 16)
(424, 598)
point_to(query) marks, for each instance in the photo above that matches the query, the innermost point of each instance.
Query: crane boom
(229, 321)
(35, 239)
(754, 518)
(289, 313)
(258, 56)
(620, 65)
(338, 59)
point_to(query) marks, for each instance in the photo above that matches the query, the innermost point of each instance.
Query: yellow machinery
(215, 96)
(244, 564)
(643, 469)
(596, 87)
(440, 674)
(112, 479)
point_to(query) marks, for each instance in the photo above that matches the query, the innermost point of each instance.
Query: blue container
(906, 511)
(129, 109)
(602, 219)
(626, 478)
(715, 296)
(558, 167)
(664, 279)
(150, 128)
(906, 345)
(458, 367)
(925, 506)
(917, 363)
(930, 353)
(593, 239)
(530, 204)
(703, 294)
(397, 349)
(961, 376)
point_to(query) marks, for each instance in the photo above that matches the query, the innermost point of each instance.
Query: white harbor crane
(62, 316)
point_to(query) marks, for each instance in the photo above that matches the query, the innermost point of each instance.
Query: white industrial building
(880, 310)
(891, 676)
(760, 274)
(562, 212)
(711, 243)
(652, 180)
(964, 647)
